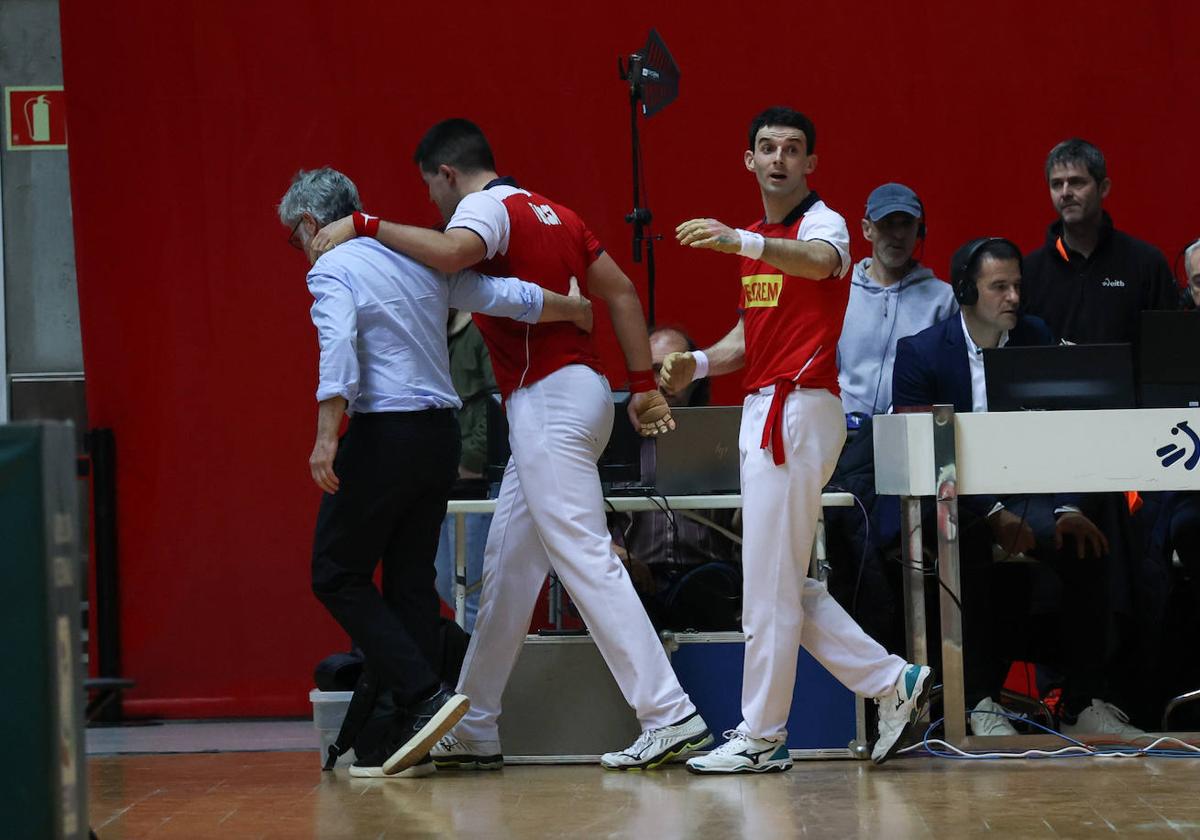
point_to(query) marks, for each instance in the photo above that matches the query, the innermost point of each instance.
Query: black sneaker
(376, 742)
(372, 768)
(421, 726)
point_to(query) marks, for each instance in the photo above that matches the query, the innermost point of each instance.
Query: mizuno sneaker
(900, 708)
(743, 754)
(658, 746)
(452, 753)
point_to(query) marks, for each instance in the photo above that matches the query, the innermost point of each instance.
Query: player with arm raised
(794, 291)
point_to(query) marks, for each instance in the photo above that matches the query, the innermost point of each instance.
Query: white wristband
(701, 365)
(752, 244)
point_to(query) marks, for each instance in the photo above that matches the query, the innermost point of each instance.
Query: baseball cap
(893, 198)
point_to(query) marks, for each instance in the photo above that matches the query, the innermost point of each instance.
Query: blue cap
(893, 198)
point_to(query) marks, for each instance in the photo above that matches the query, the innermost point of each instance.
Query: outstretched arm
(448, 251)
(815, 259)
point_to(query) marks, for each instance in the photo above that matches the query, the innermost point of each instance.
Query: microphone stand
(640, 217)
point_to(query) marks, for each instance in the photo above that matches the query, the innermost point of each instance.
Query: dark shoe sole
(670, 754)
(472, 762)
(775, 768)
(917, 710)
(439, 724)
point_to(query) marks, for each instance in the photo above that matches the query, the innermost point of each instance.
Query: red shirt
(793, 324)
(532, 238)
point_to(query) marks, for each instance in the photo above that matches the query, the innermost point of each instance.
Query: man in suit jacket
(944, 364)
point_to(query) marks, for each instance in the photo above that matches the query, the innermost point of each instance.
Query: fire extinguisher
(37, 118)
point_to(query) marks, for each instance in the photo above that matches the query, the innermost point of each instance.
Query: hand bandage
(650, 413)
(654, 412)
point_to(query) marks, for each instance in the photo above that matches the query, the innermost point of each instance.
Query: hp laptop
(701, 455)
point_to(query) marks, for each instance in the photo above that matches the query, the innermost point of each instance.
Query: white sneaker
(658, 746)
(743, 754)
(988, 718)
(900, 708)
(451, 753)
(1102, 718)
(422, 768)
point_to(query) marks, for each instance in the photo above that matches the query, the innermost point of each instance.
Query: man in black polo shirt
(1090, 281)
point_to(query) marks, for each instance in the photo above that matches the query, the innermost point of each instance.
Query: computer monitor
(620, 463)
(1169, 359)
(1059, 376)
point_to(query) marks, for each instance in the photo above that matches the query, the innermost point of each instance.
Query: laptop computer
(1169, 359)
(620, 464)
(1059, 376)
(701, 455)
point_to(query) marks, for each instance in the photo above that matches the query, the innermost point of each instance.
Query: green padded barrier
(43, 772)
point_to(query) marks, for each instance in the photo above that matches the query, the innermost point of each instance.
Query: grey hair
(1191, 251)
(325, 194)
(1078, 151)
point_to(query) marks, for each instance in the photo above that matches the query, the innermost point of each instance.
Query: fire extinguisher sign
(37, 117)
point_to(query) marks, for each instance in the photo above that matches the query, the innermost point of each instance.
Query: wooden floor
(285, 795)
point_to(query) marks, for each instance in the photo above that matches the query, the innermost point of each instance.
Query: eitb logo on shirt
(762, 289)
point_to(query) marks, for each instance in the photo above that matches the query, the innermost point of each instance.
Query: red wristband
(365, 224)
(641, 381)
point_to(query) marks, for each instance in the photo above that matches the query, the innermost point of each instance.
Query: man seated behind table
(1173, 518)
(687, 573)
(944, 364)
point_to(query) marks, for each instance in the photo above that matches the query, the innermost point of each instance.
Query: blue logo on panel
(1175, 452)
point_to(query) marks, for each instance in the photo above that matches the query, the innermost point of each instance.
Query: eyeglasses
(292, 240)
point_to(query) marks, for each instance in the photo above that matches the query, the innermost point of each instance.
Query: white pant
(550, 514)
(782, 608)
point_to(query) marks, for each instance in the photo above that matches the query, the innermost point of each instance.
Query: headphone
(966, 292)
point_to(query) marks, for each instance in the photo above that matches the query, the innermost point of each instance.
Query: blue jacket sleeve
(912, 380)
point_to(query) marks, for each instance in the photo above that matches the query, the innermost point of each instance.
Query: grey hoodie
(876, 318)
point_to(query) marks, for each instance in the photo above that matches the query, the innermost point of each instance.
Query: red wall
(188, 119)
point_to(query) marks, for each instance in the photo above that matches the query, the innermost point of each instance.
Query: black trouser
(1184, 535)
(395, 471)
(996, 610)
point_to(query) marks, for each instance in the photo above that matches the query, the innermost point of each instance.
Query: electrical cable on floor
(1075, 749)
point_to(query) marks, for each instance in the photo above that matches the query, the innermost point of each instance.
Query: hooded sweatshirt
(876, 318)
